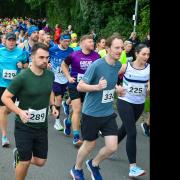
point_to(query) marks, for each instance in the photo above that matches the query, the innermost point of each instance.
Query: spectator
(57, 33)
(147, 40)
(73, 43)
(134, 39)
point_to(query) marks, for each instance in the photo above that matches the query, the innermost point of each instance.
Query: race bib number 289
(108, 96)
(9, 74)
(37, 116)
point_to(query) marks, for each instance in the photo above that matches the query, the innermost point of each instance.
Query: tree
(103, 16)
(144, 18)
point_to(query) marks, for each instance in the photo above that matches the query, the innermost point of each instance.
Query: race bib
(59, 73)
(37, 116)
(9, 74)
(136, 89)
(79, 77)
(108, 96)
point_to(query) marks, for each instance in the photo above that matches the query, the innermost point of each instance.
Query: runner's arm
(54, 111)
(84, 87)
(7, 100)
(123, 69)
(52, 99)
(65, 69)
(148, 88)
(120, 90)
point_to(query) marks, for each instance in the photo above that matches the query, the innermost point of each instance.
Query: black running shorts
(90, 126)
(31, 141)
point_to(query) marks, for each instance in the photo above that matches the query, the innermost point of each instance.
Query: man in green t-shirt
(33, 87)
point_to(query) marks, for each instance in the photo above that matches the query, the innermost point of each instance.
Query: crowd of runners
(44, 69)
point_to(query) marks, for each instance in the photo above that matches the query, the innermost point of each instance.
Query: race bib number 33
(37, 116)
(108, 96)
(9, 74)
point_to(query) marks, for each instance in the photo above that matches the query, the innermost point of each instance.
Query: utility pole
(135, 16)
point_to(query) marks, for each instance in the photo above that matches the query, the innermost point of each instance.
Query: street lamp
(135, 16)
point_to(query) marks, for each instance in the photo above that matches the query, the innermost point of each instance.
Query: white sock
(76, 168)
(57, 121)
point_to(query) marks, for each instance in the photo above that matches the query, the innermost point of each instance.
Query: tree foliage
(144, 23)
(19, 8)
(103, 16)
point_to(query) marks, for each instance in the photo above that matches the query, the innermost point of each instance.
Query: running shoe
(77, 174)
(65, 107)
(57, 125)
(145, 129)
(95, 174)
(77, 141)
(16, 157)
(136, 171)
(5, 141)
(67, 126)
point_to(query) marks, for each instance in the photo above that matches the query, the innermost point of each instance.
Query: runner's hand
(49, 66)
(55, 112)
(24, 116)
(102, 84)
(72, 80)
(20, 65)
(120, 91)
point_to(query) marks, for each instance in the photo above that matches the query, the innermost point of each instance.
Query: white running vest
(135, 83)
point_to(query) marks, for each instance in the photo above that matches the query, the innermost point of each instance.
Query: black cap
(11, 35)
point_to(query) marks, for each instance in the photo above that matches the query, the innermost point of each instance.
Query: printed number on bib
(9, 74)
(37, 116)
(136, 90)
(79, 77)
(60, 73)
(108, 96)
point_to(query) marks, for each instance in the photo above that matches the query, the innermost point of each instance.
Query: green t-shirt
(34, 94)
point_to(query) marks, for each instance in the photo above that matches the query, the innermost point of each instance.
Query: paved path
(62, 156)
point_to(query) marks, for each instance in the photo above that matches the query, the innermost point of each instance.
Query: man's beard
(43, 66)
(35, 40)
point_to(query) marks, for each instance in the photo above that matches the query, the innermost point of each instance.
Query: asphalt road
(62, 155)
